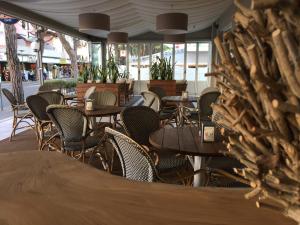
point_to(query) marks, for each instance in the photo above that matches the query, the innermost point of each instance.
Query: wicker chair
(158, 90)
(46, 134)
(52, 97)
(204, 111)
(138, 163)
(87, 94)
(73, 130)
(139, 122)
(104, 98)
(20, 111)
(167, 115)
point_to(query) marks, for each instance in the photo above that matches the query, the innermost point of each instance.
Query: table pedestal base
(199, 179)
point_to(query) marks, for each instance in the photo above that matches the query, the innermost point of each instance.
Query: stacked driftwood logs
(259, 77)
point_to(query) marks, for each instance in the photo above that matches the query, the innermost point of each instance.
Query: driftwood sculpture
(259, 77)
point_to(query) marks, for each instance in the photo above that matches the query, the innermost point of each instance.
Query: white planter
(89, 81)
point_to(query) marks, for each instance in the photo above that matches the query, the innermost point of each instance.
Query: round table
(186, 141)
(52, 188)
(181, 103)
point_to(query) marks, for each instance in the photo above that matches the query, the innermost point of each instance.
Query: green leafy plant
(103, 74)
(59, 84)
(154, 71)
(84, 74)
(113, 70)
(93, 73)
(162, 69)
(125, 74)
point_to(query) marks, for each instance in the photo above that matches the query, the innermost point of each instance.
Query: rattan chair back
(52, 97)
(135, 161)
(204, 104)
(38, 106)
(158, 90)
(69, 121)
(104, 98)
(151, 100)
(10, 97)
(139, 122)
(89, 91)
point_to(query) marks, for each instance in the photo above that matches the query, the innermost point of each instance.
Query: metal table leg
(199, 178)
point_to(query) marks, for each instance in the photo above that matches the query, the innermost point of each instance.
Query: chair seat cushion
(90, 142)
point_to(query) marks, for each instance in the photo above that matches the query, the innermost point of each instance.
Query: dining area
(87, 164)
(94, 130)
(90, 154)
(181, 112)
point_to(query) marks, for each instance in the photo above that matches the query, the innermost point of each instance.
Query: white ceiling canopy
(131, 16)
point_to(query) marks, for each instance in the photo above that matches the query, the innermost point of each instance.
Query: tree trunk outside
(13, 62)
(39, 59)
(72, 54)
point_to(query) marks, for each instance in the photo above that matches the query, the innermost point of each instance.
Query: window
(133, 61)
(179, 61)
(156, 51)
(96, 54)
(144, 61)
(191, 61)
(120, 57)
(168, 51)
(203, 60)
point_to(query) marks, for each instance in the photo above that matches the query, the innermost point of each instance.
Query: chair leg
(13, 132)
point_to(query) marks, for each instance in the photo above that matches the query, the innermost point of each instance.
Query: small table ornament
(89, 104)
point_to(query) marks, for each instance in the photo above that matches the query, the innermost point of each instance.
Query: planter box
(180, 87)
(169, 86)
(118, 89)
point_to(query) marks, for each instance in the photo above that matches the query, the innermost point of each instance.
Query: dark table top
(179, 99)
(103, 110)
(186, 141)
(70, 96)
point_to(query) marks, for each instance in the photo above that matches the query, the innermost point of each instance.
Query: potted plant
(162, 76)
(113, 70)
(83, 75)
(103, 74)
(154, 71)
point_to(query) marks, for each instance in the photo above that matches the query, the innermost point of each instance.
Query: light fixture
(172, 23)
(97, 24)
(176, 38)
(117, 37)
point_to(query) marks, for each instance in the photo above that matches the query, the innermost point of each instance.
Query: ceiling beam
(35, 18)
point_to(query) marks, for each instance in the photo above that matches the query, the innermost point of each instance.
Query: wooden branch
(261, 4)
(283, 62)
